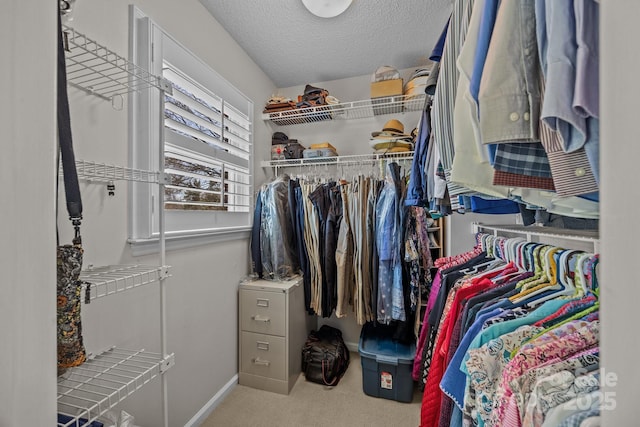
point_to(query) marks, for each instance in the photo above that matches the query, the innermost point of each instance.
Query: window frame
(149, 47)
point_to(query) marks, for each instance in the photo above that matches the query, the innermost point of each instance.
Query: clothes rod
(536, 233)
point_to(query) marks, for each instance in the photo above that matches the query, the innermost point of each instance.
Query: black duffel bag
(325, 357)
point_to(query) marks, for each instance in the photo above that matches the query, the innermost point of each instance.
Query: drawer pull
(258, 361)
(259, 318)
(261, 302)
(262, 345)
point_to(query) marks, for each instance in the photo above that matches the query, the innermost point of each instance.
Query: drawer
(263, 355)
(262, 312)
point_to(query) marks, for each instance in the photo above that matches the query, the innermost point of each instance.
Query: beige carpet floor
(314, 405)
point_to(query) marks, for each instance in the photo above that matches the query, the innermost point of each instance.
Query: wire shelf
(88, 391)
(350, 160)
(589, 239)
(93, 171)
(97, 70)
(112, 279)
(348, 110)
(339, 160)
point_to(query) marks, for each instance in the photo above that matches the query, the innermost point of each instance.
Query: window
(206, 127)
(195, 181)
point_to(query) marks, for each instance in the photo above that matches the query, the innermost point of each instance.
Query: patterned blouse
(546, 348)
(485, 365)
(555, 389)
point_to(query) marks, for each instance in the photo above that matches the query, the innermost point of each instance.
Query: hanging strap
(71, 185)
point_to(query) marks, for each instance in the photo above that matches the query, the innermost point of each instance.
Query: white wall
(202, 296)
(202, 292)
(620, 234)
(459, 229)
(27, 251)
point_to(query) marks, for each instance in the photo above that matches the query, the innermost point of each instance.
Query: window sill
(140, 247)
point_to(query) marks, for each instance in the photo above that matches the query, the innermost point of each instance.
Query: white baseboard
(352, 346)
(208, 408)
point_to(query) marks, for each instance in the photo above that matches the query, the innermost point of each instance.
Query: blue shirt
(453, 381)
(559, 33)
(484, 37)
(436, 53)
(417, 187)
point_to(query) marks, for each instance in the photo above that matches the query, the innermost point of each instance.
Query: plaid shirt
(526, 158)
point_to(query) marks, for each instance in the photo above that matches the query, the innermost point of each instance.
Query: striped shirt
(445, 94)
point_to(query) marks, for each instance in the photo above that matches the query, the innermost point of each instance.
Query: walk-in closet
(224, 182)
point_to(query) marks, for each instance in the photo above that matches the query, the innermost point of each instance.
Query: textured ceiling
(294, 47)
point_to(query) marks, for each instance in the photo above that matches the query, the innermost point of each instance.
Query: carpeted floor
(314, 405)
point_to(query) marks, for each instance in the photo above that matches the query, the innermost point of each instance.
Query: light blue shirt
(568, 49)
(484, 37)
(453, 381)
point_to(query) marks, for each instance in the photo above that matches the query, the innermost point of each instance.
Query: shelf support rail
(349, 160)
(530, 233)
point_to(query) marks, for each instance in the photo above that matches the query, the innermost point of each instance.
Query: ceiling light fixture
(327, 8)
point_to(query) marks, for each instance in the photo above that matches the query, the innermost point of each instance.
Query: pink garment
(424, 330)
(512, 414)
(528, 358)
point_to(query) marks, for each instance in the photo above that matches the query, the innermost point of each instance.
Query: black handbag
(71, 351)
(325, 357)
(293, 150)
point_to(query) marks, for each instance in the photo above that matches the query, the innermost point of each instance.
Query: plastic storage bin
(386, 365)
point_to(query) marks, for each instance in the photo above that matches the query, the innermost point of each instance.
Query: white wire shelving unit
(109, 280)
(99, 71)
(588, 240)
(347, 110)
(103, 172)
(349, 160)
(88, 391)
(104, 380)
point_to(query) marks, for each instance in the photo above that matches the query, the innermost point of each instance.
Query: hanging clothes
(345, 276)
(389, 220)
(515, 111)
(509, 338)
(347, 240)
(278, 254)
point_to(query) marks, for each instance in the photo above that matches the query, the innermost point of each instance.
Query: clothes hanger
(595, 288)
(527, 254)
(546, 278)
(583, 272)
(513, 245)
(583, 298)
(519, 254)
(566, 286)
(487, 267)
(498, 247)
(533, 262)
(569, 273)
